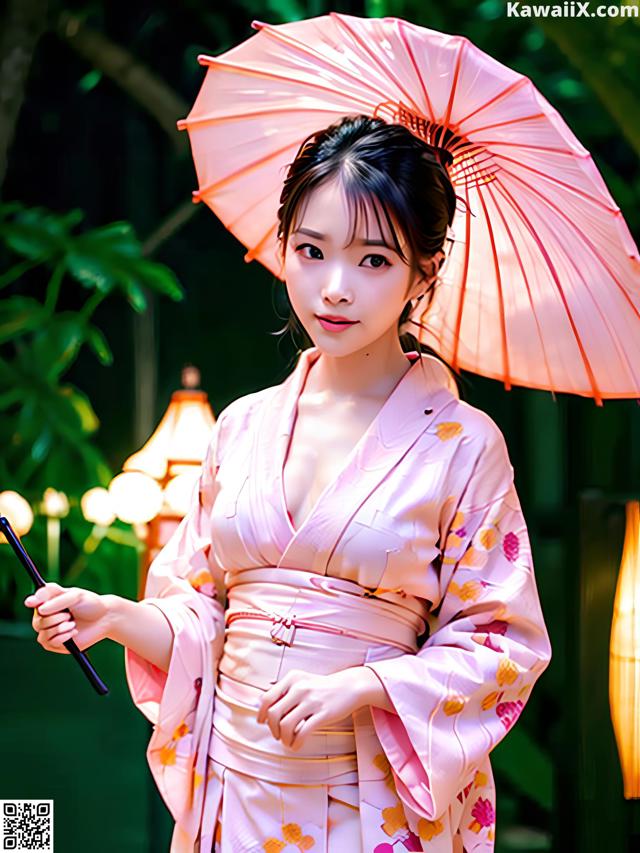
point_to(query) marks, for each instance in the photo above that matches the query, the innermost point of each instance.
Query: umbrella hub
(468, 163)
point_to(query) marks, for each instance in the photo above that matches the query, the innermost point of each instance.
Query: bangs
(362, 204)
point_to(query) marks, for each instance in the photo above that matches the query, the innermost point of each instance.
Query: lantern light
(18, 511)
(178, 492)
(181, 438)
(136, 497)
(624, 656)
(97, 506)
(55, 504)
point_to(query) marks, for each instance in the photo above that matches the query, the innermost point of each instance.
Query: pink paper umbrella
(541, 287)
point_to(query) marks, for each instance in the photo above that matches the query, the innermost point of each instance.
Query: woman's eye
(311, 247)
(380, 261)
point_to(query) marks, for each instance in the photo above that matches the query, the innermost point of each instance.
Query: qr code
(27, 826)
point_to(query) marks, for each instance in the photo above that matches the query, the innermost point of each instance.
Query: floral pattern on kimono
(460, 694)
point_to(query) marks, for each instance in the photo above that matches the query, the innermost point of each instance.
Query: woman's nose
(336, 285)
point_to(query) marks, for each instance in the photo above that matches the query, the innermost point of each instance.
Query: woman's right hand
(86, 624)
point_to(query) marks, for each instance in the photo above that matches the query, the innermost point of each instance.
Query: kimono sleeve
(183, 582)
(457, 697)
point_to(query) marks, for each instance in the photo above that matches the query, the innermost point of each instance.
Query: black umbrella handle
(85, 665)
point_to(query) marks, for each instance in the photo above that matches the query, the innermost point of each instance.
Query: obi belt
(281, 619)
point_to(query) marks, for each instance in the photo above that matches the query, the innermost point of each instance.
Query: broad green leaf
(109, 257)
(39, 234)
(101, 257)
(10, 398)
(88, 419)
(42, 445)
(63, 416)
(7, 374)
(74, 467)
(159, 278)
(91, 271)
(26, 423)
(90, 80)
(18, 315)
(99, 345)
(135, 296)
(97, 469)
(56, 347)
(8, 208)
(118, 236)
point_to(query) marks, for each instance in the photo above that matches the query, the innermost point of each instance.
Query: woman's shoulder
(232, 421)
(236, 415)
(477, 429)
(479, 465)
(477, 419)
(473, 425)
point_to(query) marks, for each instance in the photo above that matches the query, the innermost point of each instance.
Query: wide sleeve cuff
(179, 703)
(459, 695)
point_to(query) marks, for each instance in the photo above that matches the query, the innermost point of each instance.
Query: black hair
(399, 174)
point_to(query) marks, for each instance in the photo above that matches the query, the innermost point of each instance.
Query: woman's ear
(427, 272)
(435, 262)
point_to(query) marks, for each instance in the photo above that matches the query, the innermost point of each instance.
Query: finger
(268, 698)
(290, 722)
(275, 692)
(61, 602)
(42, 623)
(278, 710)
(63, 627)
(53, 645)
(43, 593)
(265, 702)
(63, 636)
(302, 732)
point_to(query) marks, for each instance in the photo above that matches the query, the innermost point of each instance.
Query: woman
(347, 621)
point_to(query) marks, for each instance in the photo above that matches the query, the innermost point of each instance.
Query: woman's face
(366, 282)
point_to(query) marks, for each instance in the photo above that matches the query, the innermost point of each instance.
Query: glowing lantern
(181, 438)
(624, 656)
(97, 506)
(171, 460)
(178, 492)
(18, 511)
(136, 497)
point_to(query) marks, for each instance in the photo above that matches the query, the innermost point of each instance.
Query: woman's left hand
(302, 702)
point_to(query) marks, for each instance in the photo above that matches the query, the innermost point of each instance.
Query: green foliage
(47, 424)
(520, 750)
(108, 257)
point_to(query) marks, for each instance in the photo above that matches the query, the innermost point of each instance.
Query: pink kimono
(415, 561)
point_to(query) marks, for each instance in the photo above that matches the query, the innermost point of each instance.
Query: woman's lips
(334, 326)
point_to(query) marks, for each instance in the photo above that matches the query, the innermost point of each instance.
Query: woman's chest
(319, 447)
(364, 504)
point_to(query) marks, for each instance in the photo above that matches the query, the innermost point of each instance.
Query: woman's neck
(368, 373)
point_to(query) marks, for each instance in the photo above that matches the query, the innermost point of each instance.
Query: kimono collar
(417, 400)
(426, 377)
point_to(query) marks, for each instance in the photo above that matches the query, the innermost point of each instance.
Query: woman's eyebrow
(359, 242)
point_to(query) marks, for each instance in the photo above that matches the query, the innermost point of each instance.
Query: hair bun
(444, 156)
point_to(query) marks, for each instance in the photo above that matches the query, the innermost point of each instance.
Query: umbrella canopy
(541, 287)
